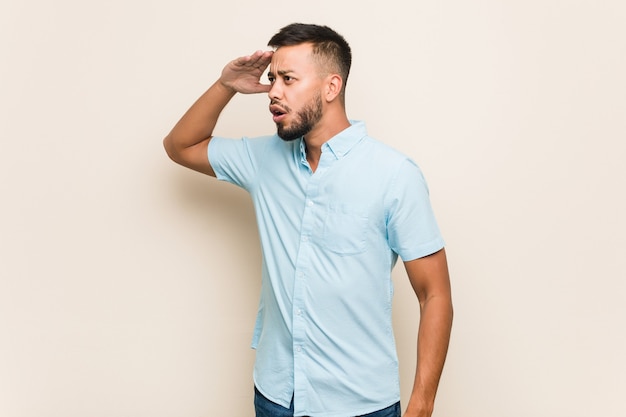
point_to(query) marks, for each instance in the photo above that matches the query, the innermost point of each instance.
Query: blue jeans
(266, 408)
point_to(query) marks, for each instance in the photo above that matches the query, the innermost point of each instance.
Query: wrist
(225, 87)
(419, 407)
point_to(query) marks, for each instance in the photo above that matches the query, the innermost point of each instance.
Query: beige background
(129, 285)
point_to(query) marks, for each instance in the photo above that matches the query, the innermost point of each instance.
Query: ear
(333, 87)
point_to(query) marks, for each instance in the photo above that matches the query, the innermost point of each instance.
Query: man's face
(295, 97)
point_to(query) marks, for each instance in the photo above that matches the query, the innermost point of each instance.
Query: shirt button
(298, 349)
(300, 274)
(305, 238)
(309, 203)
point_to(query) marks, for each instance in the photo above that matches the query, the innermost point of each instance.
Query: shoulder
(253, 141)
(384, 157)
(254, 145)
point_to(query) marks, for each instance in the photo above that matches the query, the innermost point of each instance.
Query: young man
(335, 208)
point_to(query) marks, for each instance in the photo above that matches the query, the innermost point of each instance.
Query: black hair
(328, 45)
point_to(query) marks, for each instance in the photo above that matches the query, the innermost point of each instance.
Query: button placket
(299, 301)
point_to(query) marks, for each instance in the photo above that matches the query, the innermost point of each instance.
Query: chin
(288, 138)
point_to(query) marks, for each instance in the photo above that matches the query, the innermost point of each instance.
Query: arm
(188, 141)
(431, 283)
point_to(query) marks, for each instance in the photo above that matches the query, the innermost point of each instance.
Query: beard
(305, 120)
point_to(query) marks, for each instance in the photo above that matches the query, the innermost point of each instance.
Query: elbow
(170, 149)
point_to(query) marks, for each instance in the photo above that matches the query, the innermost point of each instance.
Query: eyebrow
(280, 72)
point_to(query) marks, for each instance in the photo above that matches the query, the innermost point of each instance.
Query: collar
(343, 142)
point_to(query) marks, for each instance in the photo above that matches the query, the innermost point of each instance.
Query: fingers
(243, 74)
(258, 60)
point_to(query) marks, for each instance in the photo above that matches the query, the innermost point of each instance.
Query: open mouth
(278, 113)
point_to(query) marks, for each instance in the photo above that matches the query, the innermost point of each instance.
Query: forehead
(296, 58)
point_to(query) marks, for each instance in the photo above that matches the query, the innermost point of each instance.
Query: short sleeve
(412, 229)
(233, 160)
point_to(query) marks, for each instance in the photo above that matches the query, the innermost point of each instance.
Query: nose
(275, 91)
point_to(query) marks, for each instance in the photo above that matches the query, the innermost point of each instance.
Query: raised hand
(243, 74)
(187, 143)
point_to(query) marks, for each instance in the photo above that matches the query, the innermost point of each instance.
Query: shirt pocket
(345, 229)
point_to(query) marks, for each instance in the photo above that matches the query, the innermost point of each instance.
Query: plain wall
(129, 285)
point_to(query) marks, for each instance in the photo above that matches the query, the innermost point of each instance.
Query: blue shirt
(330, 239)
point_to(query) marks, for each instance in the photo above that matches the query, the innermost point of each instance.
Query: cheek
(302, 97)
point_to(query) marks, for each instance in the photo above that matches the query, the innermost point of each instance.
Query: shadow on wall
(223, 209)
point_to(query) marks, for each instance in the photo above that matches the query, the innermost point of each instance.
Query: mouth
(278, 113)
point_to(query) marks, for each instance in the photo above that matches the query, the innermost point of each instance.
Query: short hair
(328, 45)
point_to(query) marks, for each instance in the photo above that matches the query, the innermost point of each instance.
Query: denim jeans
(266, 408)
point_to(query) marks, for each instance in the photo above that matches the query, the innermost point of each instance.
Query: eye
(288, 79)
(271, 79)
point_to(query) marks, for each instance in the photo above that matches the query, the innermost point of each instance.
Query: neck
(322, 133)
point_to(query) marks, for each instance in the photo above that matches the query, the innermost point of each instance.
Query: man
(335, 208)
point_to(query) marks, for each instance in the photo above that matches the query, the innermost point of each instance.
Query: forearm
(198, 122)
(433, 339)
(187, 143)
